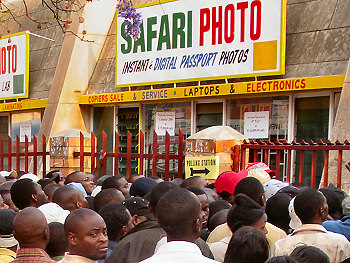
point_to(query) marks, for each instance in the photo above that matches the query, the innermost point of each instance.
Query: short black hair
(75, 218)
(157, 192)
(281, 259)
(115, 216)
(251, 187)
(65, 196)
(247, 245)
(307, 204)
(6, 221)
(334, 198)
(309, 254)
(277, 210)
(70, 177)
(58, 242)
(177, 211)
(50, 174)
(102, 179)
(107, 196)
(217, 206)
(196, 190)
(21, 192)
(191, 181)
(244, 212)
(111, 182)
(218, 219)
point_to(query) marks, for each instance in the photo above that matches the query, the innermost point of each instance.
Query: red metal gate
(301, 147)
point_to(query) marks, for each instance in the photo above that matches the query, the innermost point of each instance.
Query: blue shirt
(111, 246)
(340, 226)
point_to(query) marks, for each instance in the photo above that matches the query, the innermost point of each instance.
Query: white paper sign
(165, 122)
(256, 125)
(25, 129)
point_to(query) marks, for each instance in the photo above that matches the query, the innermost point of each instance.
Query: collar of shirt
(309, 227)
(179, 246)
(76, 258)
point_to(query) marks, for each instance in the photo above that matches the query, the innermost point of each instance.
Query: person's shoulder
(338, 238)
(275, 230)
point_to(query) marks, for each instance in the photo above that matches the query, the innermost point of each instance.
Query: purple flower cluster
(132, 18)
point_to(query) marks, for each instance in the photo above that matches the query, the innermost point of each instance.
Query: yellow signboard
(205, 166)
(23, 105)
(218, 90)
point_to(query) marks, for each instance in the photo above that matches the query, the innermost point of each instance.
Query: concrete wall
(44, 54)
(318, 39)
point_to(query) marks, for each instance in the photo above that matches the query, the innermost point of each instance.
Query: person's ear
(124, 230)
(149, 208)
(135, 220)
(46, 234)
(72, 238)
(197, 226)
(78, 205)
(34, 197)
(323, 214)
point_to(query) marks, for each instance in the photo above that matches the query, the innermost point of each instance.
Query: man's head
(203, 199)
(138, 208)
(5, 194)
(179, 214)
(157, 192)
(69, 198)
(26, 193)
(251, 187)
(217, 206)
(226, 183)
(87, 234)
(118, 220)
(30, 228)
(134, 177)
(58, 243)
(277, 211)
(107, 196)
(311, 206)
(142, 186)
(118, 182)
(57, 175)
(7, 239)
(50, 189)
(83, 178)
(196, 181)
(218, 219)
(334, 198)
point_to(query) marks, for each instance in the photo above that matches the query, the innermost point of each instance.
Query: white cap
(294, 219)
(96, 190)
(259, 174)
(272, 186)
(33, 177)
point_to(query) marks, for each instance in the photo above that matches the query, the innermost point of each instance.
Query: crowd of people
(244, 217)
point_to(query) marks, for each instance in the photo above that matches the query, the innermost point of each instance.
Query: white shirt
(178, 251)
(336, 246)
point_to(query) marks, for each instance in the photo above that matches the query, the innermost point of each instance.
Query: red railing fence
(24, 152)
(141, 156)
(256, 147)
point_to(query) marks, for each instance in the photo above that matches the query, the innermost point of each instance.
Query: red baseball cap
(262, 166)
(227, 181)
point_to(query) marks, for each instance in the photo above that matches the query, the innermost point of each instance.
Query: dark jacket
(141, 242)
(137, 245)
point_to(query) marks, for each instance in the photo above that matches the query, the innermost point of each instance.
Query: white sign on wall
(188, 40)
(256, 125)
(25, 129)
(165, 122)
(14, 66)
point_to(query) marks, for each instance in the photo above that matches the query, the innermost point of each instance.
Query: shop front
(292, 109)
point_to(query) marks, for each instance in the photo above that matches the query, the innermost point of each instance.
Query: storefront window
(24, 123)
(182, 113)
(276, 106)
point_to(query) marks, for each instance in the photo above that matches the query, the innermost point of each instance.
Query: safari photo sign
(203, 39)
